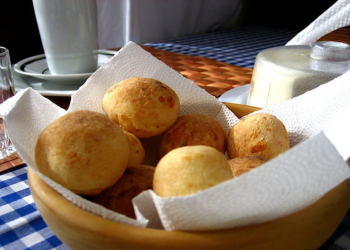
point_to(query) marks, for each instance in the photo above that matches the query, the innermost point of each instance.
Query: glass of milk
(284, 72)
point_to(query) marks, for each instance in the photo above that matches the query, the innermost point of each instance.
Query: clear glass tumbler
(7, 90)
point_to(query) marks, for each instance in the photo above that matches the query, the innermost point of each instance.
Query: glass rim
(3, 51)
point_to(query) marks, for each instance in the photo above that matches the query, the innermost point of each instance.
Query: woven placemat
(339, 35)
(213, 76)
(10, 162)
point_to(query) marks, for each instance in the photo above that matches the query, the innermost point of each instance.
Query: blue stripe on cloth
(38, 234)
(237, 46)
(16, 196)
(9, 238)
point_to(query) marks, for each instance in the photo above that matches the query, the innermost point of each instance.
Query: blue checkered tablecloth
(237, 47)
(21, 226)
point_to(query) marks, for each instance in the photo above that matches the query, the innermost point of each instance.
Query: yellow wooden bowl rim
(79, 229)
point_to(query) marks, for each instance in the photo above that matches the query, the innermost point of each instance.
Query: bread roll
(119, 197)
(258, 134)
(142, 106)
(194, 129)
(244, 164)
(137, 152)
(187, 170)
(83, 151)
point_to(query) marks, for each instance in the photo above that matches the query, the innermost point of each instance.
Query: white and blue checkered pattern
(237, 47)
(21, 226)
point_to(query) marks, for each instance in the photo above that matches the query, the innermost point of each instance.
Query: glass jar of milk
(281, 73)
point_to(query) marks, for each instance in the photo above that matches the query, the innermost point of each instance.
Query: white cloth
(143, 21)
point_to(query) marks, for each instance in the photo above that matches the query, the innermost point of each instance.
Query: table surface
(21, 226)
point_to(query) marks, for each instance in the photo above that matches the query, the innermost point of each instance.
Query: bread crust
(190, 169)
(142, 106)
(83, 151)
(194, 129)
(137, 152)
(119, 197)
(258, 134)
(244, 164)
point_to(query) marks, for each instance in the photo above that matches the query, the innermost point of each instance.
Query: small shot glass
(7, 90)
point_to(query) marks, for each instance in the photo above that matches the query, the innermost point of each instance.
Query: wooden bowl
(78, 229)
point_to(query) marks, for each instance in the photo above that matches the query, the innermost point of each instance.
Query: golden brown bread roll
(187, 170)
(83, 151)
(244, 164)
(194, 129)
(258, 134)
(142, 106)
(119, 197)
(137, 152)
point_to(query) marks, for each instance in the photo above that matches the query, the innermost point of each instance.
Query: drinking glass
(7, 90)
(68, 31)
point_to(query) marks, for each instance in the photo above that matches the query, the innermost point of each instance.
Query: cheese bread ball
(137, 152)
(194, 129)
(258, 134)
(83, 151)
(119, 196)
(187, 170)
(142, 106)
(244, 164)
